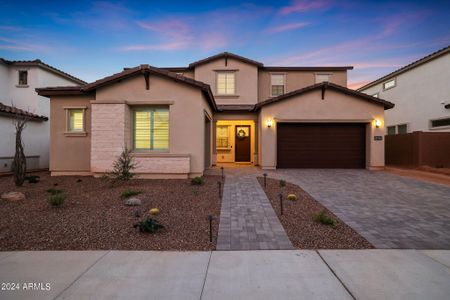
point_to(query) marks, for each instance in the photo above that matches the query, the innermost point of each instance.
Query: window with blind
(222, 134)
(390, 84)
(23, 77)
(76, 120)
(225, 83)
(151, 129)
(277, 82)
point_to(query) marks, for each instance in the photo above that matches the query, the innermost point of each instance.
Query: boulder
(13, 196)
(133, 201)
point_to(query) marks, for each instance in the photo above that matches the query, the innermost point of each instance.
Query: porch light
(377, 123)
(269, 122)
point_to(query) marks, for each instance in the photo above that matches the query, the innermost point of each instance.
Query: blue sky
(93, 39)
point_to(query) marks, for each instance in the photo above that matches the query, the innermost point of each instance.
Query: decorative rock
(292, 197)
(13, 196)
(133, 201)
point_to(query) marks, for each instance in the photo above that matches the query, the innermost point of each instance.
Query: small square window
(402, 129)
(75, 122)
(277, 84)
(391, 130)
(389, 84)
(23, 77)
(322, 78)
(375, 95)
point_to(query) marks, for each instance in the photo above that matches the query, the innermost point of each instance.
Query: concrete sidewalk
(280, 274)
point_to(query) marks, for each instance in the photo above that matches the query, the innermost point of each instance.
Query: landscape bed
(300, 226)
(94, 216)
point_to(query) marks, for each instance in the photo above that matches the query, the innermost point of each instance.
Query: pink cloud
(15, 45)
(357, 84)
(304, 6)
(155, 47)
(287, 27)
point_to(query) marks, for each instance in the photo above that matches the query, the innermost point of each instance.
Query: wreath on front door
(241, 133)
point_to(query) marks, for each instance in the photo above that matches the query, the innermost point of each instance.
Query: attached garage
(321, 145)
(322, 126)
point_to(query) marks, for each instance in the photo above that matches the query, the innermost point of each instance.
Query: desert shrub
(123, 166)
(130, 193)
(53, 191)
(324, 219)
(292, 197)
(149, 225)
(56, 200)
(198, 181)
(282, 183)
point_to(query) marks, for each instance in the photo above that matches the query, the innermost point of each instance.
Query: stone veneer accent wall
(111, 131)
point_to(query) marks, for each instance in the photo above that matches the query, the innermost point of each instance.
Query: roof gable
(324, 86)
(225, 55)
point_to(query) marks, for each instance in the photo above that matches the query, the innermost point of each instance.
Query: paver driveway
(388, 210)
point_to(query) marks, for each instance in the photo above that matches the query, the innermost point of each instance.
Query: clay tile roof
(40, 63)
(128, 72)
(326, 85)
(13, 111)
(406, 68)
(225, 55)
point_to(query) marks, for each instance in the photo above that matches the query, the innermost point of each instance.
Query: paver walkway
(247, 219)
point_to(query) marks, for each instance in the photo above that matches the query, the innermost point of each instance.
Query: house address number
(378, 138)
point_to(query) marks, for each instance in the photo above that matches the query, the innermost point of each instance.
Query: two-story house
(18, 80)
(225, 108)
(421, 93)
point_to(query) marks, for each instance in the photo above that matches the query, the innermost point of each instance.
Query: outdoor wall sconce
(269, 122)
(377, 123)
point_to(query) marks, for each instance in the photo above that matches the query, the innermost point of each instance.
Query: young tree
(19, 165)
(124, 165)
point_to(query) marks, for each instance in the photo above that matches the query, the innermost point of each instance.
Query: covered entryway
(321, 145)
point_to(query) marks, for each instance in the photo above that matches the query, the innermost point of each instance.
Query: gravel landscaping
(94, 216)
(298, 220)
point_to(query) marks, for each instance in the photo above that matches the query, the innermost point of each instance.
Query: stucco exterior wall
(310, 107)
(419, 96)
(36, 134)
(187, 108)
(69, 154)
(295, 80)
(246, 80)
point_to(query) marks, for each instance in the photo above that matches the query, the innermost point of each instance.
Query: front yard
(299, 222)
(94, 216)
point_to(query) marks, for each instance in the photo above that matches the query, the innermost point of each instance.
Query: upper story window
(226, 84)
(437, 123)
(23, 77)
(151, 128)
(75, 120)
(389, 84)
(322, 78)
(277, 84)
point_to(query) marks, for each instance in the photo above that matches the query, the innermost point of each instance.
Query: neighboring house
(225, 108)
(18, 80)
(421, 93)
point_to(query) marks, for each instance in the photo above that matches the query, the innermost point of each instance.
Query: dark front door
(321, 145)
(242, 144)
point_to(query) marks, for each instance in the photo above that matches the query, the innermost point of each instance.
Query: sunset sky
(94, 39)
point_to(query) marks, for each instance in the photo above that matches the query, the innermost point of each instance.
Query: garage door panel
(321, 145)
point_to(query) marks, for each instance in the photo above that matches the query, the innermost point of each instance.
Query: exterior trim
(225, 55)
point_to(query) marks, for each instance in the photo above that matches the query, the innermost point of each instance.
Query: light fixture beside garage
(269, 122)
(377, 123)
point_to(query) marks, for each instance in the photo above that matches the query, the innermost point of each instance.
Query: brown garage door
(321, 145)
